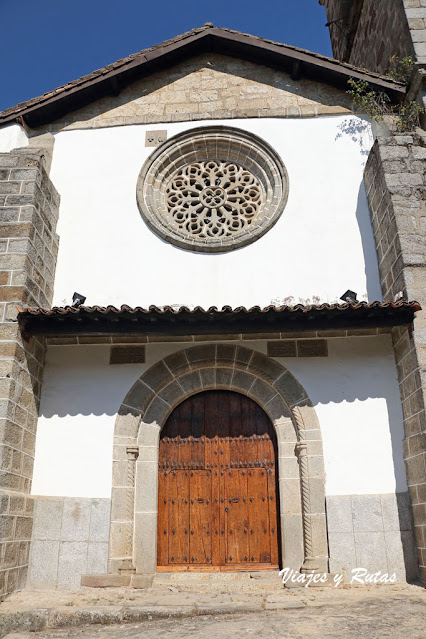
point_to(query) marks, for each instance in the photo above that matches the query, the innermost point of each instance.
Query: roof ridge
(6, 114)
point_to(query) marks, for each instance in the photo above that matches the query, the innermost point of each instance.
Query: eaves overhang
(165, 321)
(113, 78)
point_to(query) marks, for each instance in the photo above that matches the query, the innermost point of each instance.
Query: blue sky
(46, 43)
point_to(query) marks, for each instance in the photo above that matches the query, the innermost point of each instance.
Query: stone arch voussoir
(145, 410)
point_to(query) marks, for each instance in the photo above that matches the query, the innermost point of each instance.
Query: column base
(306, 580)
(310, 565)
(126, 567)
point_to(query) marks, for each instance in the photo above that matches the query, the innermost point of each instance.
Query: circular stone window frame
(213, 143)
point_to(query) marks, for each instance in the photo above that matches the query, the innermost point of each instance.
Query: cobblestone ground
(393, 617)
(220, 606)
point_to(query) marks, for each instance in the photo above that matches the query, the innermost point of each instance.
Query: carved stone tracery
(212, 189)
(213, 199)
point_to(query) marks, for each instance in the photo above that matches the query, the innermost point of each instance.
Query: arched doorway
(217, 489)
(143, 414)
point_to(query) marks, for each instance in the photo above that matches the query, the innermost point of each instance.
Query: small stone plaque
(127, 355)
(312, 348)
(155, 138)
(282, 349)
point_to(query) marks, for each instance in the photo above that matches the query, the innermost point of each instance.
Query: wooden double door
(217, 504)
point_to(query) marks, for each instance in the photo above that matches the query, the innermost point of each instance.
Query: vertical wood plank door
(217, 488)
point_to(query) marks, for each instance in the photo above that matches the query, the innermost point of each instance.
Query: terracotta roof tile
(182, 320)
(178, 310)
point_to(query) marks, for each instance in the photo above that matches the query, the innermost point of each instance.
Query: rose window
(212, 189)
(213, 199)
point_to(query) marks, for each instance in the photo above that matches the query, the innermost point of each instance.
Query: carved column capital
(301, 449)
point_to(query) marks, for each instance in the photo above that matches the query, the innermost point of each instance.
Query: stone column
(314, 534)
(309, 563)
(127, 565)
(28, 249)
(395, 183)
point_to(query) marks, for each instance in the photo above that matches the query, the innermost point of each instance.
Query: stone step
(238, 575)
(190, 580)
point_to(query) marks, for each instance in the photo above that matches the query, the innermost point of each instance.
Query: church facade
(236, 383)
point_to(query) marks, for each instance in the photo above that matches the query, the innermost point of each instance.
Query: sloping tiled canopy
(99, 320)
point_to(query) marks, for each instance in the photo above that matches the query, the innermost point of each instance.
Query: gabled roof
(111, 79)
(109, 320)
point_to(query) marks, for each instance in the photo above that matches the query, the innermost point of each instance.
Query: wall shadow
(374, 289)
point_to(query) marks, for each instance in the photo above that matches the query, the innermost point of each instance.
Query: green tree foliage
(377, 104)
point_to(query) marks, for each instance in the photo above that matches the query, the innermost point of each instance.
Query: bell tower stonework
(367, 33)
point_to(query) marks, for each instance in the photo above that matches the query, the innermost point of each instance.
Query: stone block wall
(70, 539)
(415, 11)
(342, 16)
(396, 187)
(373, 532)
(369, 32)
(28, 248)
(382, 23)
(207, 87)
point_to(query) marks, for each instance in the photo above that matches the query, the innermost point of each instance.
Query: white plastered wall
(354, 391)
(12, 136)
(321, 246)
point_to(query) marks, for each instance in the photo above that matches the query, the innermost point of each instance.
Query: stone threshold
(117, 581)
(190, 578)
